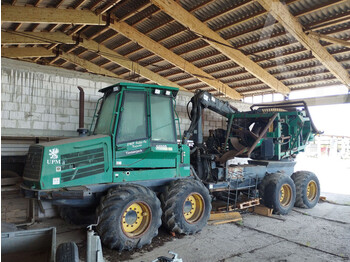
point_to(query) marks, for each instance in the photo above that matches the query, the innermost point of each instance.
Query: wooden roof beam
(27, 14)
(89, 66)
(188, 20)
(281, 13)
(126, 63)
(107, 7)
(257, 26)
(25, 52)
(330, 39)
(35, 38)
(136, 36)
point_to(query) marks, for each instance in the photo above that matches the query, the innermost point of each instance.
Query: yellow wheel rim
(193, 207)
(311, 190)
(285, 195)
(136, 219)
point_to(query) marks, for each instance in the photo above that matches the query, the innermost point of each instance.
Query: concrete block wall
(43, 101)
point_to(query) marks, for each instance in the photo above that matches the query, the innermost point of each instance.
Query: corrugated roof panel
(244, 23)
(153, 22)
(126, 7)
(140, 15)
(199, 53)
(117, 41)
(179, 38)
(212, 61)
(191, 46)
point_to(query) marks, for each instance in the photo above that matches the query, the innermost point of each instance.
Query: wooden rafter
(281, 13)
(89, 66)
(219, 43)
(330, 39)
(133, 34)
(27, 14)
(24, 52)
(256, 27)
(107, 6)
(16, 38)
(126, 63)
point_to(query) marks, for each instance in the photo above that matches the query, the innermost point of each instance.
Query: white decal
(163, 148)
(53, 162)
(53, 153)
(134, 152)
(136, 144)
(58, 169)
(56, 181)
(119, 163)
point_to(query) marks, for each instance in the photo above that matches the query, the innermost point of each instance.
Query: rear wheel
(307, 189)
(278, 192)
(186, 206)
(129, 217)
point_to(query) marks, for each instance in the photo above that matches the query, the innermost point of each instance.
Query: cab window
(133, 119)
(162, 119)
(106, 115)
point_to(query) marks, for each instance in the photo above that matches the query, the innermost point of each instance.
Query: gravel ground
(318, 234)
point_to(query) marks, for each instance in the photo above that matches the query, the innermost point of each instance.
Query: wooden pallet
(249, 203)
(222, 206)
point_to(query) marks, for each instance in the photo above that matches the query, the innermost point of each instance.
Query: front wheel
(278, 192)
(186, 206)
(307, 189)
(129, 217)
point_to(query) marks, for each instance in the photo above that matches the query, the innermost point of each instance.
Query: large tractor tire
(67, 252)
(129, 217)
(307, 189)
(186, 206)
(78, 216)
(277, 191)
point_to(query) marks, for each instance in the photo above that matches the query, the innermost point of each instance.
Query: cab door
(164, 146)
(132, 136)
(146, 136)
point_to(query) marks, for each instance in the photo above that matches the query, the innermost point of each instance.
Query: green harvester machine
(131, 173)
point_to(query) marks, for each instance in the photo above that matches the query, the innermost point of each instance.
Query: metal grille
(82, 164)
(32, 169)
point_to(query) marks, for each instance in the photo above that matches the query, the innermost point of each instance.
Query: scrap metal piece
(94, 247)
(175, 258)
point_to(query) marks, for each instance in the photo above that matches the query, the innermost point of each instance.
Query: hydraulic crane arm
(201, 100)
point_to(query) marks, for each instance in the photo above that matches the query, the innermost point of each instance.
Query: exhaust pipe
(81, 130)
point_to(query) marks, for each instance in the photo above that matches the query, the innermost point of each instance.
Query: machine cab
(140, 119)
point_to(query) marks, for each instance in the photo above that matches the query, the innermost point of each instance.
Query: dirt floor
(318, 234)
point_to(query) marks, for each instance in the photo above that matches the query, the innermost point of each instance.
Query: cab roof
(138, 85)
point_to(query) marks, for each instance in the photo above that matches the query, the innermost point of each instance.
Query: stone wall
(43, 101)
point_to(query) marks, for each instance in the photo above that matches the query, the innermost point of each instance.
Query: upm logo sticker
(53, 153)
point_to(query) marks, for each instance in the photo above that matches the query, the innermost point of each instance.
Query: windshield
(106, 115)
